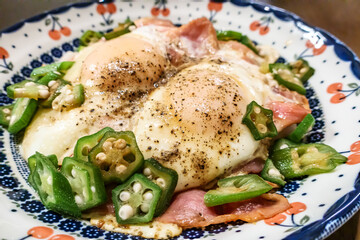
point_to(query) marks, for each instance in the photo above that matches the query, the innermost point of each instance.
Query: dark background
(339, 17)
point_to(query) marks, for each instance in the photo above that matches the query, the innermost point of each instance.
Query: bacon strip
(189, 210)
(153, 21)
(287, 113)
(195, 40)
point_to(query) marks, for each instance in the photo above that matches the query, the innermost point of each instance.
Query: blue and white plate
(320, 203)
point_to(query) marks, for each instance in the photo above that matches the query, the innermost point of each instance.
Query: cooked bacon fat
(189, 210)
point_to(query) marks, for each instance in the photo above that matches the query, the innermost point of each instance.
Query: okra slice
(229, 35)
(85, 144)
(53, 188)
(28, 89)
(250, 44)
(120, 30)
(135, 200)
(55, 87)
(306, 159)
(235, 189)
(90, 37)
(272, 174)
(5, 115)
(302, 129)
(165, 178)
(22, 113)
(259, 120)
(302, 69)
(282, 144)
(117, 155)
(284, 76)
(69, 97)
(32, 161)
(51, 76)
(86, 182)
(32, 164)
(60, 67)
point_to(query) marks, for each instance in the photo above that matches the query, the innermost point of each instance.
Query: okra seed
(274, 172)
(51, 83)
(12, 119)
(44, 93)
(147, 172)
(29, 84)
(161, 182)
(294, 154)
(68, 92)
(303, 70)
(78, 199)
(73, 173)
(257, 110)
(283, 146)
(42, 87)
(8, 118)
(70, 98)
(137, 187)
(148, 196)
(107, 146)
(312, 150)
(126, 212)
(124, 196)
(20, 90)
(6, 111)
(93, 189)
(121, 168)
(101, 157)
(262, 128)
(145, 207)
(49, 180)
(120, 144)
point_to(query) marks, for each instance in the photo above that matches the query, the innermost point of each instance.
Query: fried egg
(193, 124)
(188, 117)
(116, 75)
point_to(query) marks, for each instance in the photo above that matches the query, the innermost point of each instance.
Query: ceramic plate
(320, 203)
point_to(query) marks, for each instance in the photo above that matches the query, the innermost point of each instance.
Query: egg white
(202, 148)
(112, 94)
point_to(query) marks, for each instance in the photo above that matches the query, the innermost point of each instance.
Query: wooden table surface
(339, 17)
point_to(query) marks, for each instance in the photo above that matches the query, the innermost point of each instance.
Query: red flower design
(317, 50)
(276, 220)
(65, 31)
(262, 25)
(338, 98)
(54, 34)
(264, 30)
(57, 29)
(353, 159)
(3, 53)
(355, 147)
(101, 9)
(160, 7)
(255, 25)
(40, 232)
(111, 8)
(320, 50)
(62, 237)
(335, 87)
(296, 207)
(215, 6)
(155, 11)
(309, 44)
